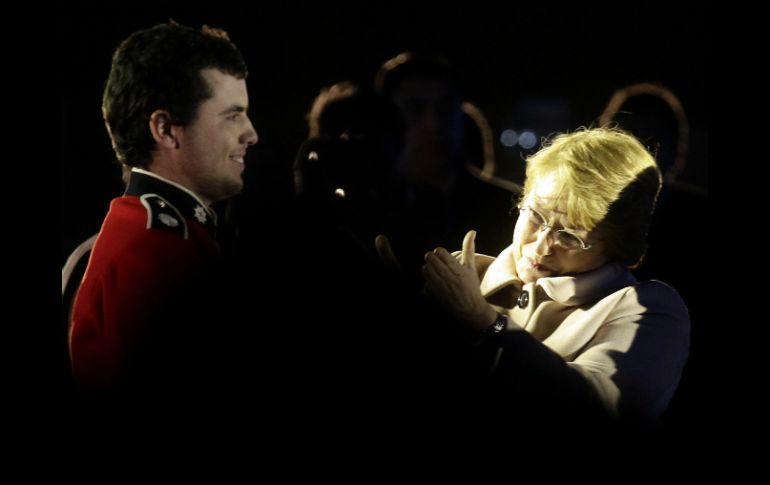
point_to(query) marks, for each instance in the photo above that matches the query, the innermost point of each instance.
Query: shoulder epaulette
(162, 215)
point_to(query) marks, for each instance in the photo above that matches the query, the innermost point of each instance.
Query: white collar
(192, 194)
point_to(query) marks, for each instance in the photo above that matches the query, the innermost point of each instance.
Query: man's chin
(228, 191)
(234, 187)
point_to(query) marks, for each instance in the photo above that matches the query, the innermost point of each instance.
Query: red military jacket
(146, 278)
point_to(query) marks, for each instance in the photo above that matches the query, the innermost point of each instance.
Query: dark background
(546, 68)
(519, 63)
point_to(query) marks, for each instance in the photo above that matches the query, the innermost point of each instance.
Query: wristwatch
(492, 331)
(498, 326)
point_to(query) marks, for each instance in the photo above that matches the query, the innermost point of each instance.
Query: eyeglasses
(563, 238)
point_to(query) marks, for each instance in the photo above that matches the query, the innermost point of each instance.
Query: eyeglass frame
(542, 226)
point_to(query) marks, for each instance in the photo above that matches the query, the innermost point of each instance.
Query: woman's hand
(455, 285)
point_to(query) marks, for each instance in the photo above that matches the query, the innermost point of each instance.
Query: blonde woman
(559, 317)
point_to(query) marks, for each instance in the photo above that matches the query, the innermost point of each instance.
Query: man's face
(214, 143)
(434, 123)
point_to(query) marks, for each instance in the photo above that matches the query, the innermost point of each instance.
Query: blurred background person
(439, 189)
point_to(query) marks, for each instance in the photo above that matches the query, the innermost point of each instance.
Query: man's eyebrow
(235, 108)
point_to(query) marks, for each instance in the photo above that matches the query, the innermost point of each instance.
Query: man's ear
(163, 131)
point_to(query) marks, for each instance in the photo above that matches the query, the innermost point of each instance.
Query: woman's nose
(544, 241)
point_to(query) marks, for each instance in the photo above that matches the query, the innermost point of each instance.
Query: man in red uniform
(175, 107)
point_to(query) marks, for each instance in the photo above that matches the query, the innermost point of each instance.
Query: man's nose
(250, 137)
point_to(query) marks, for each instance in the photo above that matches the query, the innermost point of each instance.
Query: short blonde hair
(609, 181)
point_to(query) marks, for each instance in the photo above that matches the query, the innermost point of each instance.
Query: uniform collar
(143, 182)
(573, 290)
